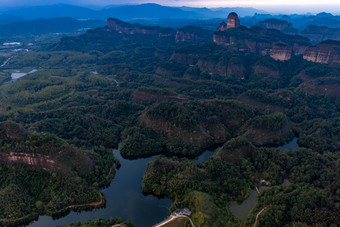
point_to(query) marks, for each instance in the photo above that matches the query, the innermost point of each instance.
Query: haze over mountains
(63, 18)
(126, 12)
(178, 82)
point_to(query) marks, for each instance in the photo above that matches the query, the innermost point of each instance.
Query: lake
(124, 198)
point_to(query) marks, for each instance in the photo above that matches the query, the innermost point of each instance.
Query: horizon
(277, 7)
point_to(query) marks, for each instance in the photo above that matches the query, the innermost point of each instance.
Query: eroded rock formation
(28, 159)
(327, 52)
(233, 21)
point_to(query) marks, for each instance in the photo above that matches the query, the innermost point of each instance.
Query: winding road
(258, 214)
(6, 62)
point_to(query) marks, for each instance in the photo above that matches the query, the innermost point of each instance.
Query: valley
(169, 95)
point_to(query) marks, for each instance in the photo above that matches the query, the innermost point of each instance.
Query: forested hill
(174, 99)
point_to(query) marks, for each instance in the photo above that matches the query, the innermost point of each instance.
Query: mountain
(321, 27)
(8, 19)
(127, 12)
(51, 11)
(45, 26)
(278, 24)
(320, 33)
(274, 43)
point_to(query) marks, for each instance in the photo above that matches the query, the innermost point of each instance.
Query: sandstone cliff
(327, 52)
(281, 52)
(28, 159)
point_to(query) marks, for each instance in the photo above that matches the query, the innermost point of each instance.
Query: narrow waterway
(124, 198)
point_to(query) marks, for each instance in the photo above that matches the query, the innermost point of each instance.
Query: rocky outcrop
(222, 27)
(127, 28)
(327, 52)
(329, 86)
(280, 25)
(281, 52)
(28, 159)
(299, 49)
(233, 21)
(262, 41)
(193, 34)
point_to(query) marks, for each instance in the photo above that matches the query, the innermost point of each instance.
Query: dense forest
(101, 223)
(174, 100)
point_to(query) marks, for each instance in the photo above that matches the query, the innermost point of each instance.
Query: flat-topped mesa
(278, 24)
(233, 21)
(127, 28)
(327, 52)
(192, 34)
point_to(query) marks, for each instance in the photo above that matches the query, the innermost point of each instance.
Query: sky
(269, 5)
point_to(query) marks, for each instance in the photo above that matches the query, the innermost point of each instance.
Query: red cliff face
(233, 21)
(222, 27)
(327, 53)
(28, 159)
(221, 40)
(270, 42)
(281, 52)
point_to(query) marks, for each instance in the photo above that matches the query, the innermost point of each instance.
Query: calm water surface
(203, 157)
(290, 145)
(124, 198)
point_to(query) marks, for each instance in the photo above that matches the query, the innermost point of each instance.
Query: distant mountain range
(45, 26)
(300, 22)
(126, 12)
(38, 20)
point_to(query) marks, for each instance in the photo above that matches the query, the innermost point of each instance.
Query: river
(124, 198)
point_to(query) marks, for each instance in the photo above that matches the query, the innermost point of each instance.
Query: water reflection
(124, 198)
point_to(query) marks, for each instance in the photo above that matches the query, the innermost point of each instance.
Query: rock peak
(233, 21)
